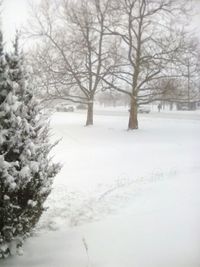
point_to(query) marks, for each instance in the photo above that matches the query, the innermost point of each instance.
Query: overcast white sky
(15, 14)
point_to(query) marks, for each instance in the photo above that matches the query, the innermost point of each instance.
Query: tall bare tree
(190, 70)
(74, 49)
(149, 42)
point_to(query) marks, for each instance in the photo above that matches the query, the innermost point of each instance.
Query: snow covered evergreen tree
(26, 170)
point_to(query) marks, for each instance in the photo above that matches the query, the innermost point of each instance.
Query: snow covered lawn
(123, 198)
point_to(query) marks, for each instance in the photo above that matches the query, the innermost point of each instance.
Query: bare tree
(181, 86)
(74, 49)
(125, 45)
(189, 68)
(149, 42)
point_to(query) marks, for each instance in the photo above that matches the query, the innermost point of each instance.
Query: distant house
(188, 105)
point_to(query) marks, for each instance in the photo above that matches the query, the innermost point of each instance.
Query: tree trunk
(90, 114)
(133, 121)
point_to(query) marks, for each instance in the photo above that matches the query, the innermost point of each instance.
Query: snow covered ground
(123, 198)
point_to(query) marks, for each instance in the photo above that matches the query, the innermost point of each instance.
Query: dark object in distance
(66, 108)
(81, 106)
(144, 109)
